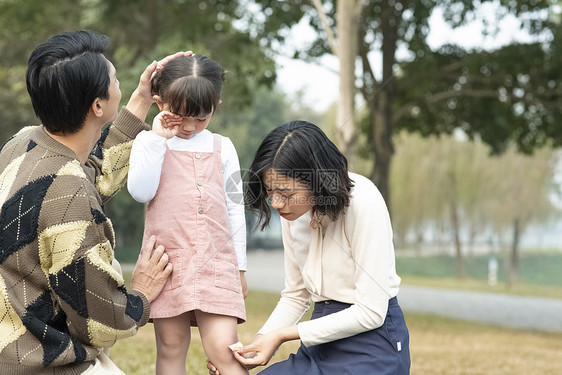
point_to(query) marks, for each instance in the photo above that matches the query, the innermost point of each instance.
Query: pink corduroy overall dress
(189, 217)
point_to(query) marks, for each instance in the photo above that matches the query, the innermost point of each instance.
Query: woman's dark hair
(64, 76)
(190, 85)
(300, 150)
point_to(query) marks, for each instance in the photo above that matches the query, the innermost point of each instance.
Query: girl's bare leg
(217, 332)
(173, 336)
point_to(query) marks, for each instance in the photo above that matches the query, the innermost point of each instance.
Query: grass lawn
(539, 273)
(538, 268)
(439, 346)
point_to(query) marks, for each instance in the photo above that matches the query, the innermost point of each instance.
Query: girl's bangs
(191, 97)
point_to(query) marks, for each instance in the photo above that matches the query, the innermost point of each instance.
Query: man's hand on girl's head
(141, 99)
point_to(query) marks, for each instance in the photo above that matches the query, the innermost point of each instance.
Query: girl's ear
(158, 101)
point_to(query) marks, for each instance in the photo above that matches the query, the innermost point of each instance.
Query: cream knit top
(350, 260)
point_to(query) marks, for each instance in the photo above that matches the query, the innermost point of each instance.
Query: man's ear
(97, 107)
(158, 101)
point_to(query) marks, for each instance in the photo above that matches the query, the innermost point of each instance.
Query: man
(62, 300)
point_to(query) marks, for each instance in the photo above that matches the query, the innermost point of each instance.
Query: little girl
(181, 169)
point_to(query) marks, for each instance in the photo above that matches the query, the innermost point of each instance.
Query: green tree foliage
(249, 127)
(140, 31)
(15, 108)
(512, 94)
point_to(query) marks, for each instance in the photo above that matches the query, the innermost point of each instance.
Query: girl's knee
(172, 342)
(218, 348)
(173, 339)
(224, 360)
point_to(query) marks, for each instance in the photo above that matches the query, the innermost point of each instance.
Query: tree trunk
(382, 146)
(513, 272)
(348, 12)
(459, 260)
(455, 223)
(380, 106)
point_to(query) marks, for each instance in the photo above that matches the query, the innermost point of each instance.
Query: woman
(339, 254)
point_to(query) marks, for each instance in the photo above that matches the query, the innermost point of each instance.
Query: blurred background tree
(139, 31)
(451, 185)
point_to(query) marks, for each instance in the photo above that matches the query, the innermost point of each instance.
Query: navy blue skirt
(382, 351)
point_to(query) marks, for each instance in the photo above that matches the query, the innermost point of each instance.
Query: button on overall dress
(189, 217)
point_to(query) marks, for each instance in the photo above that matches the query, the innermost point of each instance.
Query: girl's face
(191, 125)
(290, 197)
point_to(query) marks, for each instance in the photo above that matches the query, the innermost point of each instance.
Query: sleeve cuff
(305, 340)
(145, 307)
(129, 124)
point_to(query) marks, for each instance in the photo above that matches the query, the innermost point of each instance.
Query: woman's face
(290, 197)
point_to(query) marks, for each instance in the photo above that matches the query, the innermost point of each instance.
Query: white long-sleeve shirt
(145, 168)
(350, 260)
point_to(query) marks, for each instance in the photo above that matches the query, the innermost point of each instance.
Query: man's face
(112, 103)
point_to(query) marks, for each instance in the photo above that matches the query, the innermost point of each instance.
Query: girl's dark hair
(64, 76)
(300, 150)
(190, 85)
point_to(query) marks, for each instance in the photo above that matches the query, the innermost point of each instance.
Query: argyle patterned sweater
(60, 298)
